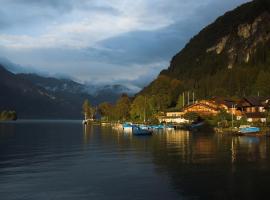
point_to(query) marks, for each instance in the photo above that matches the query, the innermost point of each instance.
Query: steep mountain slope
(229, 57)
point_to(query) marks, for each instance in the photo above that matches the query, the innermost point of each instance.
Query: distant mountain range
(36, 96)
(230, 57)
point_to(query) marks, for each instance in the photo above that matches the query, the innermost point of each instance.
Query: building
(204, 108)
(230, 106)
(253, 108)
(174, 117)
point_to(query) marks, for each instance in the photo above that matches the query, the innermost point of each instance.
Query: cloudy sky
(119, 41)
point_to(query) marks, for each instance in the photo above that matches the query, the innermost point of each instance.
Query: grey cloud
(110, 59)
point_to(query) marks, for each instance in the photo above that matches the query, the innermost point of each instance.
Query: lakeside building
(174, 117)
(203, 107)
(253, 108)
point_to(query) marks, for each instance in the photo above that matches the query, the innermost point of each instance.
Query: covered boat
(249, 129)
(136, 130)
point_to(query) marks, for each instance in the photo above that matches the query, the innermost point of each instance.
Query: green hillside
(230, 57)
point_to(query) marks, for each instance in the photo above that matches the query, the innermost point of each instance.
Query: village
(240, 112)
(247, 115)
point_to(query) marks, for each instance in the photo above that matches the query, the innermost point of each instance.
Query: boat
(196, 125)
(137, 130)
(145, 127)
(127, 127)
(169, 127)
(158, 127)
(87, 121)
(249, 129)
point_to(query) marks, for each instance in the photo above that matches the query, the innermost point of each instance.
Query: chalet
(252, 105)
(254, 108)
(256, 117)
(203, 107)
(174, 117)
(230, 106)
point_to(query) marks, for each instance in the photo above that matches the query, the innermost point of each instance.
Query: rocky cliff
(229, 57)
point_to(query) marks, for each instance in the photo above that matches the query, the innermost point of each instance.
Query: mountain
(29, 100)
(54, 84)
(15, 68)
(36, 96)
(230, 57)
(68, 88)
(111, 93)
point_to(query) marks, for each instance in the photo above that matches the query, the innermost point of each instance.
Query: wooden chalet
(254, 108)
(204, 107)
(174, 117)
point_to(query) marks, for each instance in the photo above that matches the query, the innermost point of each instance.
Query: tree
(8, 115)
(138, 108)
(88, 110)
(142, 108)
(122, 107)
(180, 102)
(262, 83)
(105, 109)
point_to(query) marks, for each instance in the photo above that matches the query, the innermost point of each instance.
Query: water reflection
(87, 131)
(100, 162)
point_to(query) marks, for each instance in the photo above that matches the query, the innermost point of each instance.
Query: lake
(64, 160)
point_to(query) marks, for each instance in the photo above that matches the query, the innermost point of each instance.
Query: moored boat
(137, 130)
(249, 129)
(127, 127)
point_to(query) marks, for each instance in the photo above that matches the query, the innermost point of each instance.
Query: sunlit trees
(8, 115)
(106, 110)
(88, 110)
(122, 108)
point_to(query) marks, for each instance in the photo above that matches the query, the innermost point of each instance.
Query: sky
(102, 41)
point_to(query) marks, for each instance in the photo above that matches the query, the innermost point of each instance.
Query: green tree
(106, 110)
(138, 107)
(143, 108)
(180, 102)
(88, 110)
(8, 115)
(122, 107)
(262, 83)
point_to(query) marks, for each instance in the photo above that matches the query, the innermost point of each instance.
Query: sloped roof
(255, 115)
(201, 104)
(254, 101)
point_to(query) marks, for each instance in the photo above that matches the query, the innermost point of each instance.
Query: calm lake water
(63, 160)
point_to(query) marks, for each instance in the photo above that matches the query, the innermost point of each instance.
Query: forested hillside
(230, 57)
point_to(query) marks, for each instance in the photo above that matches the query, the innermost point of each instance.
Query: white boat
(127, 127)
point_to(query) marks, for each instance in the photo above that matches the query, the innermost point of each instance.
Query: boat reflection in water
(71, 161)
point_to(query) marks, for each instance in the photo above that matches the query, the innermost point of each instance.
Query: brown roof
(254, 101)
(197, 104)
(255, 115)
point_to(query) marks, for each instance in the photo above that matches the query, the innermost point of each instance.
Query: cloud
(99, 40)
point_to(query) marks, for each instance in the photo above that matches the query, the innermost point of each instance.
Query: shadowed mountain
(29, 100)
(35, 96)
